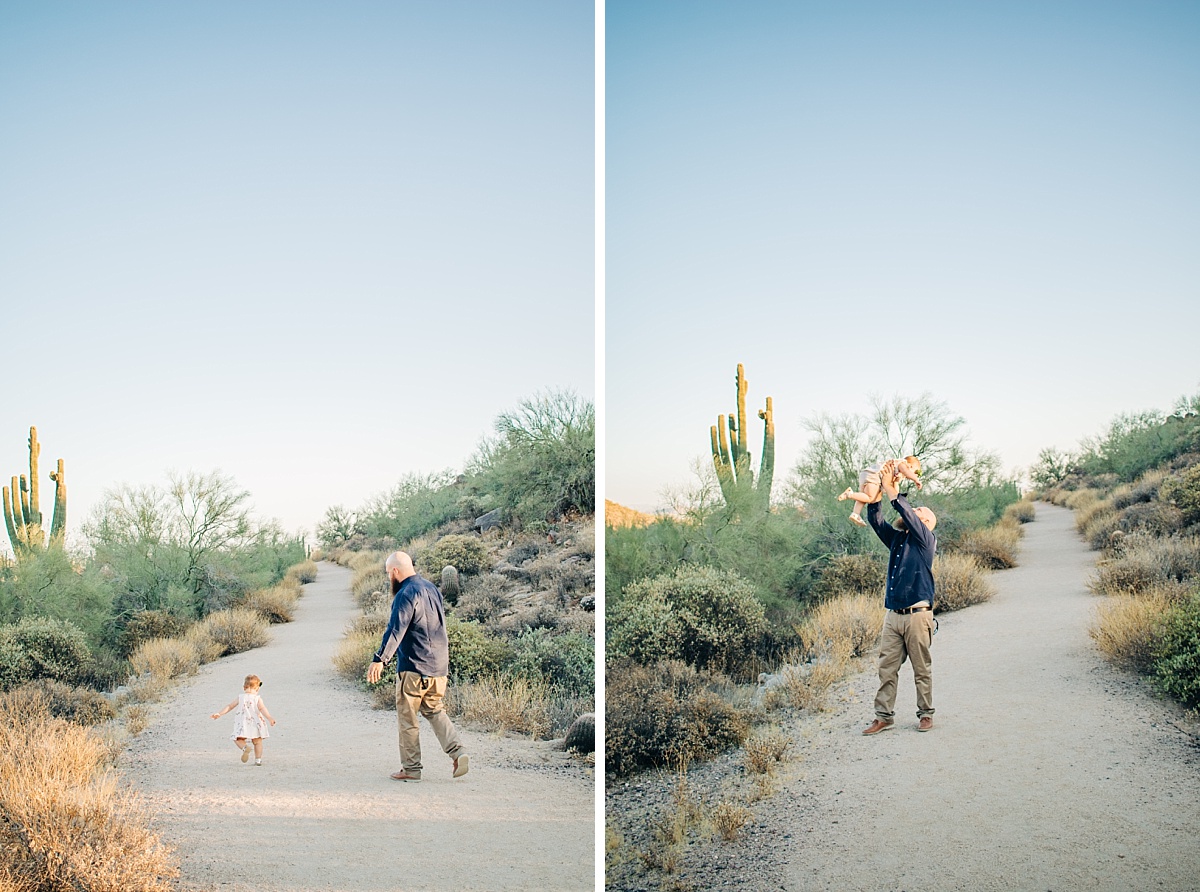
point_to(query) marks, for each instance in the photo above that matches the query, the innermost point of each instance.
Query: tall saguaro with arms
(731, 454)
(22, 506)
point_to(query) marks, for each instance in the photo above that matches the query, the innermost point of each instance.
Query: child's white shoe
(246, 753)
(854, 518)
(258, 762)
(846, 494)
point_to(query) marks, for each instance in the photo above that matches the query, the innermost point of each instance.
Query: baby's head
(251, 683)
(914, 463)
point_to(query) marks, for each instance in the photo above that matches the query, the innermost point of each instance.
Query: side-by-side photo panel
(298, 574)
(902, 446)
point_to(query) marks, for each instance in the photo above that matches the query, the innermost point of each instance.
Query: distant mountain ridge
(619, 516)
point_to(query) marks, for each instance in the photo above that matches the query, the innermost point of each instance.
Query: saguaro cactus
(22, 505)
(731, 453)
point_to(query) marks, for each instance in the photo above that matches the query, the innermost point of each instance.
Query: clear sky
(316, 246)
(996, 203)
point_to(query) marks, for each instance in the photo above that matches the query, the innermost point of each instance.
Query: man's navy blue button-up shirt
(417, 630)
(910, 559)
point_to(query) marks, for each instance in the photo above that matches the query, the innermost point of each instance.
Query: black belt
(908, 610)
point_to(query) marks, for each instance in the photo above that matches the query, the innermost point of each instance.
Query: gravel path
(1046, 769)
(321, 813)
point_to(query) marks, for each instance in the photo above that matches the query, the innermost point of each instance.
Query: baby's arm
(217, 715)
(263, 708)
(906, 471)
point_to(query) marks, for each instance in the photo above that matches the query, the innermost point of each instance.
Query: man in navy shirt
(908, 627)
(416, 632)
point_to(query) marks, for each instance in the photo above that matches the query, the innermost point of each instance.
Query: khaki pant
(425, 696)
(905, 636)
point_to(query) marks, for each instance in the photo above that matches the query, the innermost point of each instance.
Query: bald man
(908, 627)
(416, 632)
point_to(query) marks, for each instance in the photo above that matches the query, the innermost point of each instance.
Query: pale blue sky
(997, 203)
(317, 246)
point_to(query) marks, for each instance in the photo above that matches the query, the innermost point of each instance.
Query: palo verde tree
(22, 506)
(731, 454)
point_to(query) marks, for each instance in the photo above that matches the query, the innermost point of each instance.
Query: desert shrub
(37, 647)
(706, 617)
(484, 603)
(369, 578)
(1177, 663)
(303, 572)
(1022, 511)
(1127, 628)
(854, 621)
(354, 652)
(65, 821)
(165, 658)
(503, 703)
(1092, 512)
(467, 554)
(80, 705)
(959, 581)
(728, 818)
(1102, 530)
(1144, 489)
(1184, 493)
(200, 638)
(806, 686)
(1143, 562)
(524, 549)
(542, 463)
(764, 749)
(995, 547)
(49, 583)
(277, 603)
(666, 714)
(474, 653)
(851, 574)
(146, 625)
(236, 630)
(1152, 518)
(566, 662)
(1080, 498)
(417, 504)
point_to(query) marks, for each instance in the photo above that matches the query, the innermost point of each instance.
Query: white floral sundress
(248, 720)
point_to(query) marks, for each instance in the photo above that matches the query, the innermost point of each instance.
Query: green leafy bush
(566, 662)
(37, 647)
(851, 574)
(146, 625)
(666, 714)
(1184, 493)
(473, 652)
(1177, 664)
(705, 617)
(417, 504)
(467, 554)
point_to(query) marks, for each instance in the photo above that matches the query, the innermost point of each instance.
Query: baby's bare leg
(863, 498)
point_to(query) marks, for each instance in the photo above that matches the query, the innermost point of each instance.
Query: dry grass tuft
(136, 717)
(960, 581)
(277, 603)
(354, 652)
(807, 686)
(165, 658)
(1080, 498)
(236, 630)
(995, 546)
(303, 572)
(1144, 562)
(764, 750)
(1022, 511)
(1127, 627)
(728, 819)
(366, 581)
(64, 823)
(502, 704)
(851, 621)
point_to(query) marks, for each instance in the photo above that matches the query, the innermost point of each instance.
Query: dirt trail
(1046, 769)
(321, 813)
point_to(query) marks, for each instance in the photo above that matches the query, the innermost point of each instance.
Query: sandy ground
(1046, 768)
(321, 813)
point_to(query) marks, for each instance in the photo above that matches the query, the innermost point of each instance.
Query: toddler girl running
(250, 720)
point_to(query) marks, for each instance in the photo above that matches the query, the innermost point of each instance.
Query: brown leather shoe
(405, 776)
(876, 726)
(926, 723)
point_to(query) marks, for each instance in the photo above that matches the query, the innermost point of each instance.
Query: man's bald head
(399, 566)
(927, 517)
